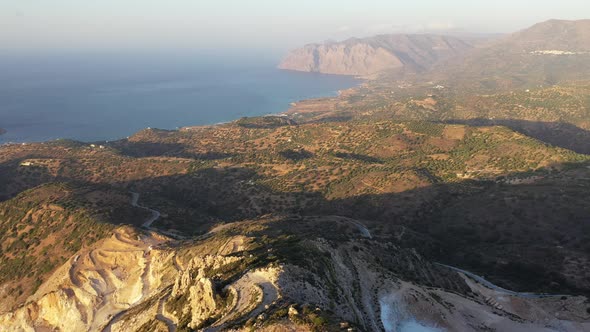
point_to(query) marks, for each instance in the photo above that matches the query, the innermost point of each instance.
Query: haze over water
(108, 97)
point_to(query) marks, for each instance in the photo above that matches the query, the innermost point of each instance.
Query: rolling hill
(547, 53)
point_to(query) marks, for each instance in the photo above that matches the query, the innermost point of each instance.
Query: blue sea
(93, 97)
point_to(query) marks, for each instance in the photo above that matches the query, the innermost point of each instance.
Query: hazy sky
(209, 24)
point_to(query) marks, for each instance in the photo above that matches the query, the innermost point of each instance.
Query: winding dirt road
(363, 229)
(155, 214)
(162, 315)
(252, 285)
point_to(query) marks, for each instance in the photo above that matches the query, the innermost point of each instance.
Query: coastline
(293, 108)
(255, 101)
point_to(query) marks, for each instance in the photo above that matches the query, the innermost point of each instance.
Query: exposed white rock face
(369, 295)
(136, 282)
(201, 300)
(132, 279)
(558, 52)
(93, 286)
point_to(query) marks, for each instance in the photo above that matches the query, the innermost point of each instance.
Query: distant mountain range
(371, 55)
(546, 53)
(553, 34)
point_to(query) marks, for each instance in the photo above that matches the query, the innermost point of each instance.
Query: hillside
(277, 274)
(252, 201)
(547, 53)
(43, 227)
(372, 55)
(572, 36)
(453, 200)
(557, 115)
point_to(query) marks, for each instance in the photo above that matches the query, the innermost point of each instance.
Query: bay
(107, 97)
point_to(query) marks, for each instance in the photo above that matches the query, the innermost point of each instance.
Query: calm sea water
(92, 98)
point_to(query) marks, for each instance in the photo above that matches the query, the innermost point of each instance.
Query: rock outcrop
(94, 286)
(372, 55)
(143, 282)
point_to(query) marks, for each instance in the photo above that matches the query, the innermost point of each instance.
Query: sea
(100, 97)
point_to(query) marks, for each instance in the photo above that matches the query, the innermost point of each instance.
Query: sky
(255, 24)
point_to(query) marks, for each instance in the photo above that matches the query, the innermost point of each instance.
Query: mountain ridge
(546, 53)
(573, 35)
(366, 56)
